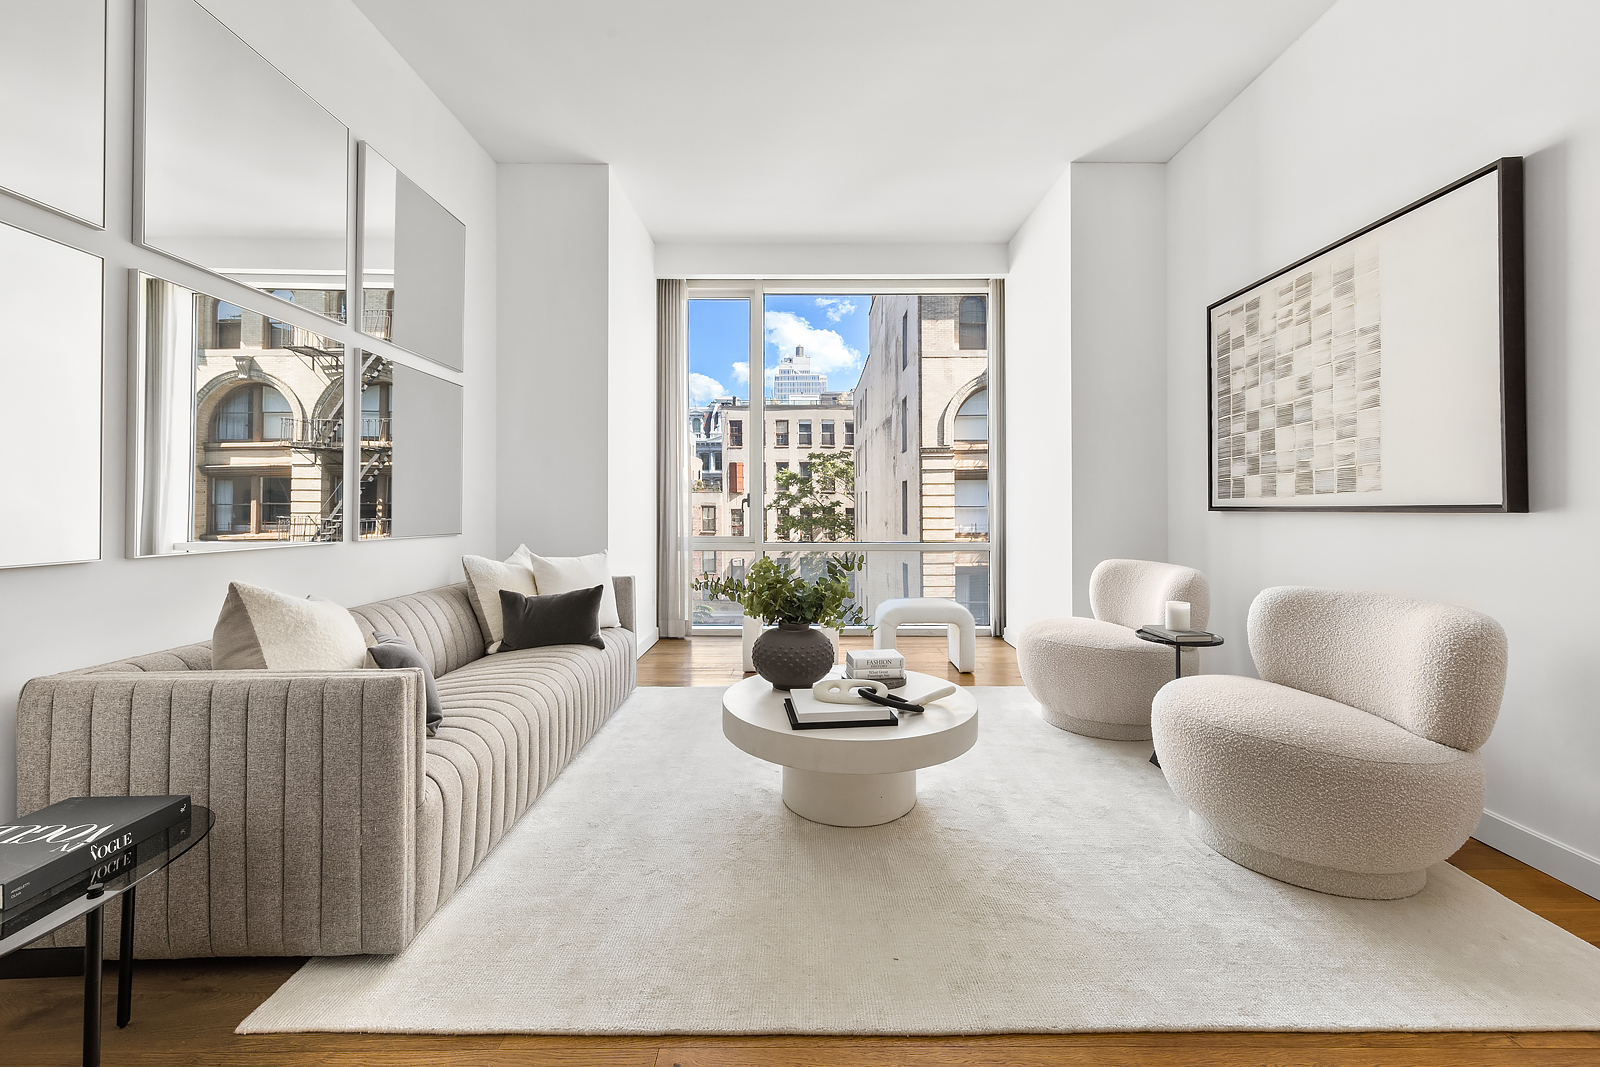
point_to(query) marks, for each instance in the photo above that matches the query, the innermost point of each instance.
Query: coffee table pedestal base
(849, 799)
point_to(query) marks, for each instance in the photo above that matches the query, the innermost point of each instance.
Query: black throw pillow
(393, 652)
(552, 619)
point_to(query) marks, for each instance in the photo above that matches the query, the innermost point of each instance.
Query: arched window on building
(972, 419)
(277, 417)
(974, 322)
(253, 412)
(235, 419)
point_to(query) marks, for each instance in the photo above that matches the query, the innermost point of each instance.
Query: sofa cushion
(565, 574)
(551, 619)
(260, 629)
(393, 653)
(485, 579)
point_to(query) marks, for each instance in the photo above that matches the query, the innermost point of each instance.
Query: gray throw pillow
(552, 619)
(393, 652)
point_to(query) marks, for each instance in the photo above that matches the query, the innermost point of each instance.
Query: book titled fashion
(50, 847)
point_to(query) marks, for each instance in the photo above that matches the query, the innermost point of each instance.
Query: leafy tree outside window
(817, 502)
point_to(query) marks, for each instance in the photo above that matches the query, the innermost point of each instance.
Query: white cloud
(741, 373)
(837, 307)
(829, 354)
(704, 388)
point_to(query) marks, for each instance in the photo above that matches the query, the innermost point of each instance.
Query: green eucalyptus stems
(776, 592)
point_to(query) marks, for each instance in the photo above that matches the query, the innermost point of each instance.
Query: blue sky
(833, 330)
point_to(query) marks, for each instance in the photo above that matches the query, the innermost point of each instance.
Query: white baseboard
(1578, 869)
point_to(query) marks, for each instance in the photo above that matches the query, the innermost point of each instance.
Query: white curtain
(167, 434)
(997, 456)
(672, 352)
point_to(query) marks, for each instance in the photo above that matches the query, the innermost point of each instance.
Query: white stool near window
(890, 614)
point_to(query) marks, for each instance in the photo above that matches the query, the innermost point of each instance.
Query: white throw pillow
(263, 630)
(485, 579)
(563, 574)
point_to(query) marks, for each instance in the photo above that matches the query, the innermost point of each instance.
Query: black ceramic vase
(793, 655)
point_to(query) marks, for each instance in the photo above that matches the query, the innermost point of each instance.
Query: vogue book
(51, 847)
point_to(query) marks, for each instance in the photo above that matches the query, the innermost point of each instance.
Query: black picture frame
(1512, 363)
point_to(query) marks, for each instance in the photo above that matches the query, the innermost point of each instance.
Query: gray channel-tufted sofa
(340, 825)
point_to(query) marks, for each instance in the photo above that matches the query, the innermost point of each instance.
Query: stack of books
(1179, 637)
(879, 665)
(82, 839)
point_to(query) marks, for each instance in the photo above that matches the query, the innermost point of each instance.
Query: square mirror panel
(50, 357)
(413, 264)
(238, 427)
(411, 451)
(241, 172)
(53, 87)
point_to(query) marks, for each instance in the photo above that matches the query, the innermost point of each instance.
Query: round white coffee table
(860, 776)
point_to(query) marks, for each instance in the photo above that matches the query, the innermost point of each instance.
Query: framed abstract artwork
(1384, 372)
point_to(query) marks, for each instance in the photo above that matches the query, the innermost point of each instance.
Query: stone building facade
(269, 434)
(922, 455)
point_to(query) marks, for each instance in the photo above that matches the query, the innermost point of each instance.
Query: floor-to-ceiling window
(843, 418)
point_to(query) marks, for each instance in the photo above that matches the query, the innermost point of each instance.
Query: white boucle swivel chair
(1093, 676)
(1352, 764)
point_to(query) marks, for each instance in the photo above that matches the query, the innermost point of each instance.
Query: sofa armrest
(623, 583)
(314, 777)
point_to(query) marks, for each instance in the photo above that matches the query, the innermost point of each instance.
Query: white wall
(58, 618)
(1119, 371)
(759, 260)
(1038, 379)
(554, 358)
(1085, 387)
(577, 376)
(1383, 101)
(631, 380)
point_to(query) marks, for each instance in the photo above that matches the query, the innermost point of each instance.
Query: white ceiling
(820, 121)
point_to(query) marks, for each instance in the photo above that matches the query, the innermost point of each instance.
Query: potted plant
(795, 654)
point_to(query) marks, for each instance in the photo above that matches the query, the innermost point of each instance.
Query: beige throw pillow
(565, 574)
(263, 630)
(485, 579)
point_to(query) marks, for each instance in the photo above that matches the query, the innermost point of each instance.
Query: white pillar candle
(1177, 615)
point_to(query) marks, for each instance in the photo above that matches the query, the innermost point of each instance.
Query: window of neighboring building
(780, 433)
(735, 477)
(905, 580)
(849, 434)
(242, 504)
(805, 434)
(905, 509)
(274, 501)
(708, 518)
(974, 324)
(253, 412)
(905, 423)
(694, 425)
(972, 420)
(375, 412)
(736, 517)
(827, 433)
(905, 339)
(736, 433)
(972, 506)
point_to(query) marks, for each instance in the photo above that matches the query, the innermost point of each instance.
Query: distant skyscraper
(795, 382)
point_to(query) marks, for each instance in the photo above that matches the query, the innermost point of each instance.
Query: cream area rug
(1044, 882)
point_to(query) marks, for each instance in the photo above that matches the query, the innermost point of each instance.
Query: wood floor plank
(185, 1010)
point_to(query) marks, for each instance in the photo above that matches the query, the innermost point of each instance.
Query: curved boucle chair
(1093, 676)
(1352, 764)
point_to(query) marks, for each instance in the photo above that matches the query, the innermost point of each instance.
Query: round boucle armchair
(1093, 676)
(1351, 765)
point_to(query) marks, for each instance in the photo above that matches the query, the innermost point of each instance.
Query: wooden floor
(185, 1012)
